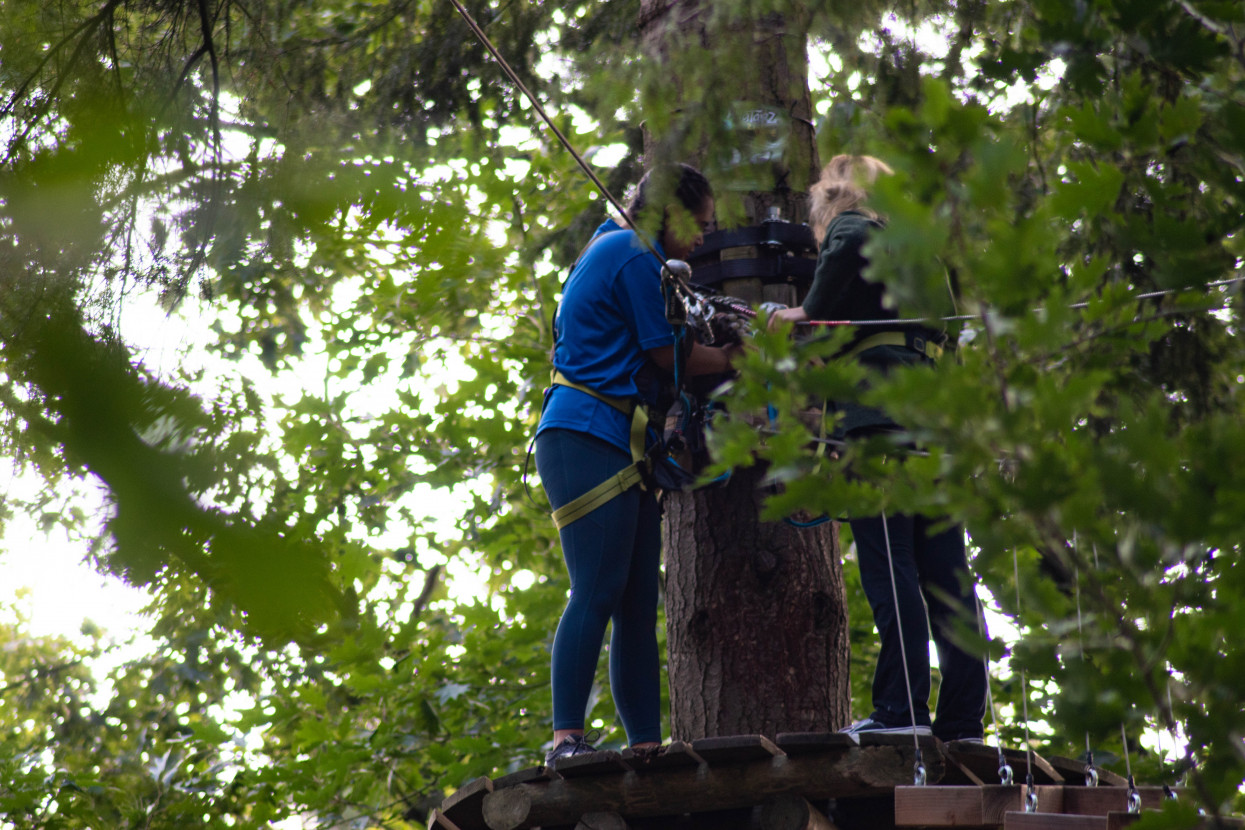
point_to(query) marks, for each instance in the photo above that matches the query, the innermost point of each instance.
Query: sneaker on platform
(869, 726)
(570, 746)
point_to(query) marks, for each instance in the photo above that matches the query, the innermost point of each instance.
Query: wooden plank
(938, 807)
(958, 774)
(861, 771)
(463, 807)
(598, 820)
(955, 806)
(602, 762)
(509, 809)
(983, 761)
(789, 811)
(803, 743)
(438, 821)
(1052, 821)
(1119, 819)
(674, 755)
(998, 801)
(735, 749)
(1049, 797)
(928, 743)
(1101, 801)
(1073, 772)
(531, 775)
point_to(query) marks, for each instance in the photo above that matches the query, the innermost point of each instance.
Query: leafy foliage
(371, 226)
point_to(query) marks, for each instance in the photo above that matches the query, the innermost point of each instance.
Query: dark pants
(613, 555)
(932, 583)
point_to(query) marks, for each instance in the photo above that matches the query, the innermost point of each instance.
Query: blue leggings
(613, 555)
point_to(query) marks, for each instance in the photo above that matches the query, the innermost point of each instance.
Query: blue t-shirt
(612, 312)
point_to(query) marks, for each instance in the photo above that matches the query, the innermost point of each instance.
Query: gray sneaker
(876, 727)
(570, 746)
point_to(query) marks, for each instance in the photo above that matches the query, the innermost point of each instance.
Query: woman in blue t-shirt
(611, 325)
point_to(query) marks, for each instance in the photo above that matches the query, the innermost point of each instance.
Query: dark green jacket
(840, 292)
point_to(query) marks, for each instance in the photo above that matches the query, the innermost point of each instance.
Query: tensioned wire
(1091, 772)
(584, 166)
(1005, 769)
(918, 767)
(1031, 795)
(544, 116)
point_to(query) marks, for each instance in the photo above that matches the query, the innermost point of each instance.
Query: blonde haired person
(842, 221)
(927, 590)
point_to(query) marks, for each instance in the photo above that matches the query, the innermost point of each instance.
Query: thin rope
(1134, 797)
(919, 767)
(1171, 713)
(1031, 796)
(544, 116)
(959, 318)
(1091, 773)
(1005, 769)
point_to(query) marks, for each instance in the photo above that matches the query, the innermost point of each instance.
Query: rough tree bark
(756, 611)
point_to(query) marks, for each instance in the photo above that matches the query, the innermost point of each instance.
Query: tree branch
(83, 30)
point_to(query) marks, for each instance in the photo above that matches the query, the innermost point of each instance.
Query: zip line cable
(674, 272)
(544, 116)
(960, 318)
(683, 289)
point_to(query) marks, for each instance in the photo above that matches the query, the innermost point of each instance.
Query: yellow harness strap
(898, 338)
(621, 481)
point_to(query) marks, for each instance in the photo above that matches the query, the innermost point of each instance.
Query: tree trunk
(756, 611)
(756, 107)
(756, 616)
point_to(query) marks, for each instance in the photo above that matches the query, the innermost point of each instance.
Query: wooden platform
(798, 781)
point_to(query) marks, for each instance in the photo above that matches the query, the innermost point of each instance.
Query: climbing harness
(913, 340)
(622, 481)
(650, 468)
(689, 415)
